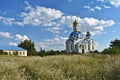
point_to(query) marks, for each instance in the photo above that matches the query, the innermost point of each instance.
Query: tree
(114, 48)
(42, 52)
(29, 46)
(3, 53)
(115, 43)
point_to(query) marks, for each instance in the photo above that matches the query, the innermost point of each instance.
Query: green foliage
(3, 53)
(42, 52)
(115, 43)
(29, 46)
(114, 48)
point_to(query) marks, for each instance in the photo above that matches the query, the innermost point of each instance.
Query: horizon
(49, 23)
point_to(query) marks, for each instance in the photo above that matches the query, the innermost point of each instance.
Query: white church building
(79, 43)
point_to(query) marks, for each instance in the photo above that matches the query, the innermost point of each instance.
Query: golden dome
(75, 23)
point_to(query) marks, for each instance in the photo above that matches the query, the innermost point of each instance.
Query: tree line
(114, 48)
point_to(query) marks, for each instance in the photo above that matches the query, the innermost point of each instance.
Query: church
(79, 43)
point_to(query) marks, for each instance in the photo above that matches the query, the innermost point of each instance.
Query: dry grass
(62, 67)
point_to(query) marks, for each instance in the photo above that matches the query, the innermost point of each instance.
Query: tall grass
(62, 67)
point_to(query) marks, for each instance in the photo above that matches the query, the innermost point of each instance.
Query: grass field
(61, 67)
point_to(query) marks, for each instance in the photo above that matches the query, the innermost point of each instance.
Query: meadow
(60, 67)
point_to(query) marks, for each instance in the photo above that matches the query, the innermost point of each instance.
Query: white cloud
(13, 44)
(101, 0)
(5, 34)
(21, 38)
(40, 15)
(95, 25)
(106, 6)
(92, 8)
(115, 3)
(98, 8)
(56, 43)
(8, 21)
(89, 8)
(54, 20)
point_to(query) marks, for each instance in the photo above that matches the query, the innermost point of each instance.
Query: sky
(48, 23)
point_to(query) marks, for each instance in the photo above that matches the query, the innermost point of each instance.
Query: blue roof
(78, 34)
(10, 48)
(88, 34)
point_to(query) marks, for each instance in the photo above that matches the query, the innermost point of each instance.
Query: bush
(3, 53)
(114, 50)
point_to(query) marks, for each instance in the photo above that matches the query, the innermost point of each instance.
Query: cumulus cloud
(8, 21)
(101, 0)
(94, 25)
(98, 8)
(89, 8)
(106, 7)
(54, 20)
(115, 3)
(21, 38)
(12, 44)
(40, 16)
(93, 8)
(5, 34)
(56, 43)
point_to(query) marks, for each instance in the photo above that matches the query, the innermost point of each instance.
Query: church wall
(68, 46)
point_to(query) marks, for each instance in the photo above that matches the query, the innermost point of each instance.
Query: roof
(78, 34)
(11, 48)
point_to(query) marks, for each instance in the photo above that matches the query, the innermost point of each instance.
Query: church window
(92, 47)
(71, 47)
(88, 47)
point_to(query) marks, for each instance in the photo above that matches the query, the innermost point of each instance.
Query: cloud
(98, 8)
(54, 21)
(101, 0)
(94, 25)
(106, 7)
(21, 38)
(12, 44)
(56, 43)
(89, 8)
(7, 21)
(5, 34)
(115, 3)
(93, 8)
(40, 15)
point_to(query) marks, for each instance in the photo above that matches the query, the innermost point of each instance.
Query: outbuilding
(14, 50)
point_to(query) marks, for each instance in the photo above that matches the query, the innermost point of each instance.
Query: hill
(62, 67)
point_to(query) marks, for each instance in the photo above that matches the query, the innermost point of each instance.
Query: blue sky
(48, 23)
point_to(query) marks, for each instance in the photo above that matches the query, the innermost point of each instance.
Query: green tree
(114, 47)
(3, 53)
(29, 46)
(42, 52)
(115, 43)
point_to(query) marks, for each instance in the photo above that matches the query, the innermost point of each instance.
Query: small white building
(14, 50)
(79, 43)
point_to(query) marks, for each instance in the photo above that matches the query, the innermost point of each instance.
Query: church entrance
(83, 50)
